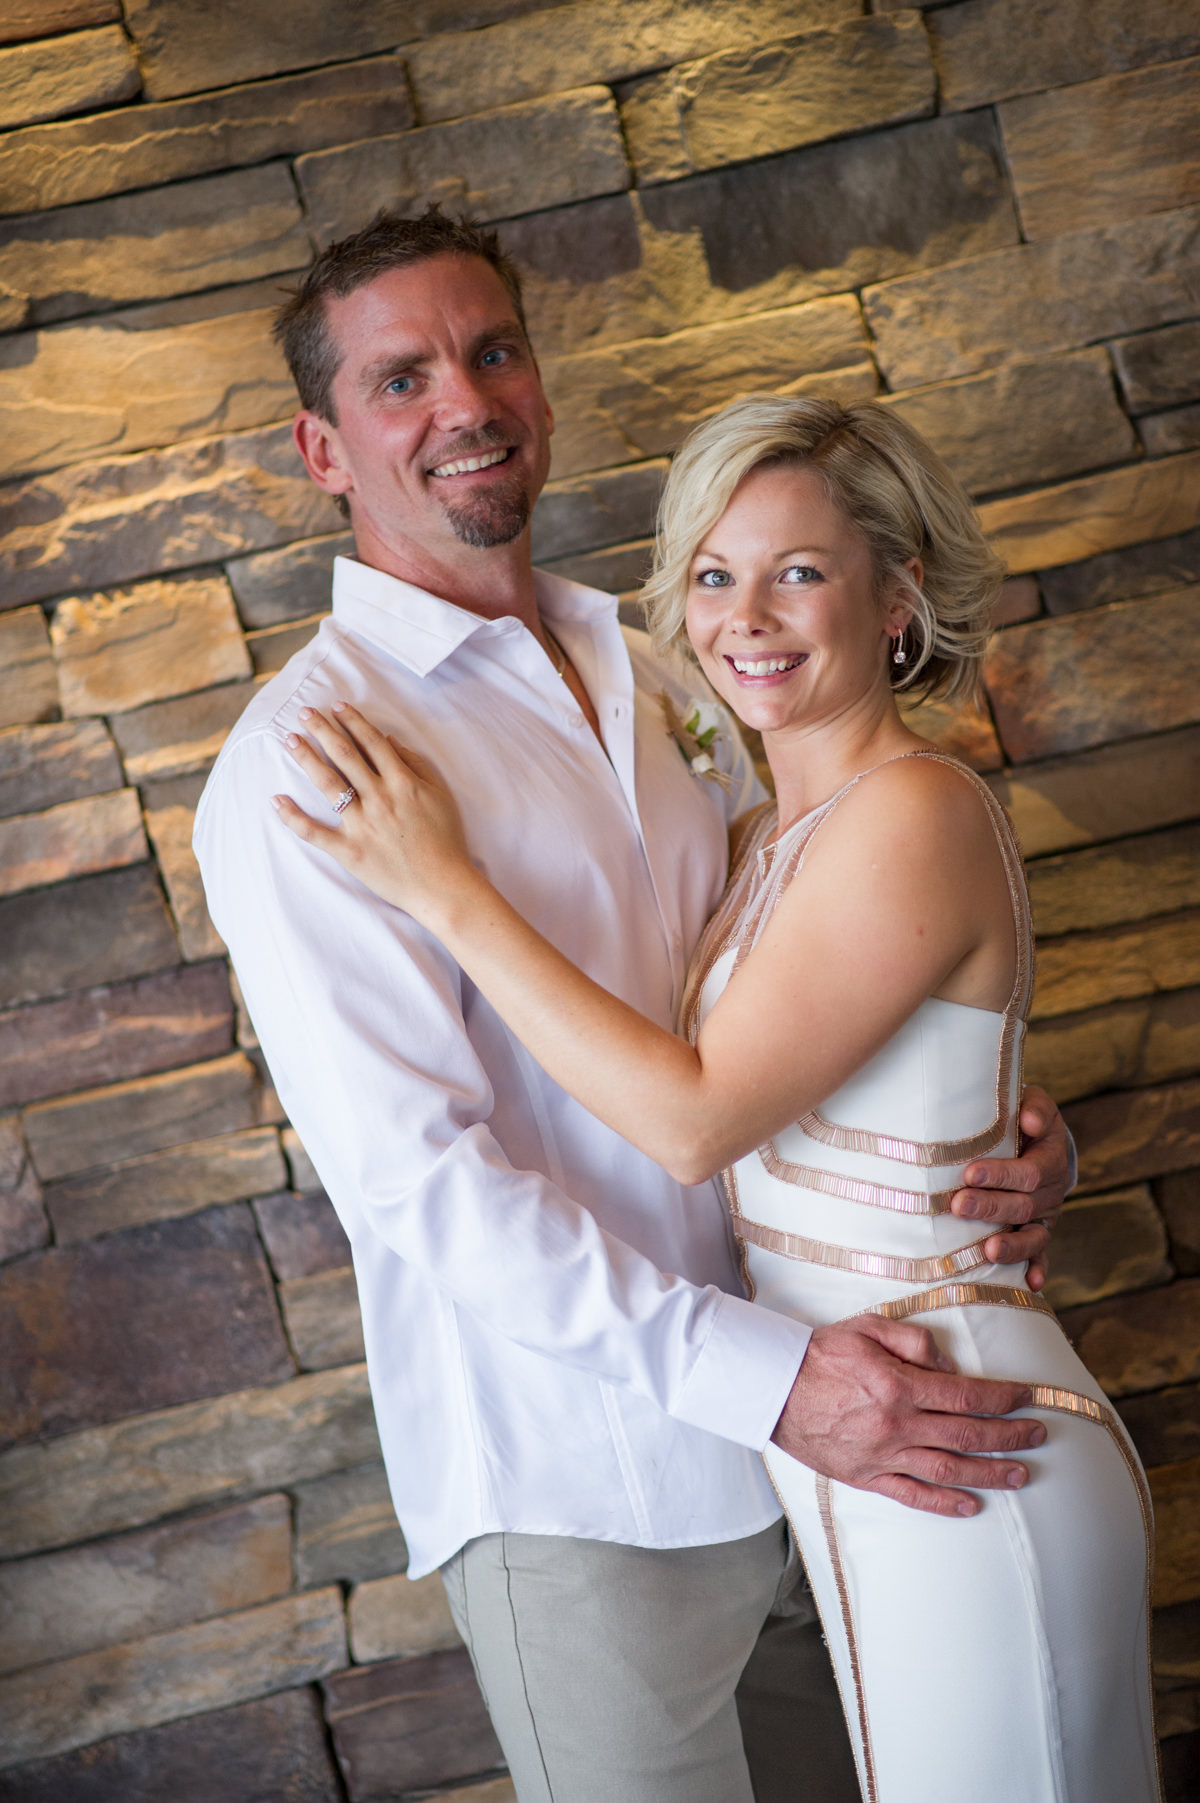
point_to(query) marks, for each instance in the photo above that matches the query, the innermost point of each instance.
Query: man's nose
(463, 399)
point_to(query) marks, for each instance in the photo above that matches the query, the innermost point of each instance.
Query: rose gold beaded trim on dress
(855, 1189)
(825, 1511)
(866, 1264)
(958, 1295)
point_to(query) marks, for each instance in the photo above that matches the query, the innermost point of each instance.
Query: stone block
(1165, 1424)
(493, 1790)
(1153, 874)
(1075, 1055)
(1084, 972)
(1034, 299)
(84, 159)
(572, 45)
(161, 241)
(120, 650)
(991, 49)
(1179, 1199)
(1104, 794)
(1159, 369)
(1179, 1755)
(587, 512)
(394, 1618)
(28, 676)
(304, 1173)
(43, 766)
(100, 929)
(1107, 1245)
(1177, 1672)
(182, 1180)
(1105, 150)
(120, 384)
(617, 570)
(20, 19)
(69, 74)
(76, 838)
(142, 1683)
(1095, 513)
(346, 1528)
(104, 1479)
(271, 649)
(409, 1723)
(322, 1318)
(1133, 1343)
(185, 49)
(179, 737)
(1020, 600)
(1172, 1044)
(639, 400)
(272, 1749)
(23, 1222)
(1163, 434)
(965, 731)
(1086, 679)
(1141, 1133)
(125, 1120)
(302, 1234)
(1026, 423)
(104, 1035)
(595, 273)
(651, 124)
(94, 525)
(97, 1595)
(1164, 563)
(170, 814)
(1176, 1493)
(288, 584)
(517, 159)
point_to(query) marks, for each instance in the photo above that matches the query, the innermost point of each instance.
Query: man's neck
(493, 583)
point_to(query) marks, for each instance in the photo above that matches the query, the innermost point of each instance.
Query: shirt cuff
(744, 1373)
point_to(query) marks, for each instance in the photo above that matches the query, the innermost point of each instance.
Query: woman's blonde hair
(886, 480)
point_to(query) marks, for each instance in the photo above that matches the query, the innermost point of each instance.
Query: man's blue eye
(399, 384)
(496, 356)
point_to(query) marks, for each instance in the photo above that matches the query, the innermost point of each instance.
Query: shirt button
(677, 941)
(578, 720)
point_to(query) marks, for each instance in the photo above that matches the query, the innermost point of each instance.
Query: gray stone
(100, 929)
(1179, 1199)
(289, 584)
(1106, 1245)
(76, 838)
(126, 1120)
(184, 49)
(119, 650)
(1165, 1425)
(272, 649)
(182, 1180)
(617, 570)
(408, 1724)
(41, 766)
(124, 1475)
(23, 1222)
(1105, 150)
(322, 1319)
(302, 1234)
(174, 240)
(1036, 298)
(77, 160)
(1159, 369)
(1165, 563)
(64, 1603)
(1104, 794)
(95, 525)
(346, 1528)
(21, 19)
(179, 737)
(69, 74)
(395, 1618)
(28, 676)
(594, 274)
(1152, 874)
(587, 512)
(1165, 433)
(1140, 1133)
(518, 159)
(1095, 513)
(170, 815)
(1133, 1343)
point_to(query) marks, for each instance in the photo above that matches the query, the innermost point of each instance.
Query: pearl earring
(899, 655)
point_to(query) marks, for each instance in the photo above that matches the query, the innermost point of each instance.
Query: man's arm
(1024, 1194)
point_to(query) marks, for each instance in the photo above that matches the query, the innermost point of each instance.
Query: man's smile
(462, 466)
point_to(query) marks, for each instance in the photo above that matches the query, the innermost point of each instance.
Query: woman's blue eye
(802, 573)
(714, 579)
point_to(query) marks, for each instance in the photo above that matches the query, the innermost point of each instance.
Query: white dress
(1003, 1658)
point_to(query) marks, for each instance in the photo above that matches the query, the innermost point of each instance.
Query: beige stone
(346, 1528)
(70, 74)
(120, 650)
(395, 1618)
(322, 1318)
(23, 1222)
(28, 677)
(1159, 369)
(102, 832)
(518, 159)
(105, 1479)
(966, 732)
(41, 766)
(1153, 874)
(303, 1171)
(1139, 1133)
(1176, 1493)
(181, 1180)
(170, 816)
(1104, 794)
(184, 48)
(1172, 1045)
(179, 737)
(1126, 962)
(1106, 150)
(208, 1665)
(1105, 1245)
(70, 1602)
(21, 19)
(1075, 1055)
(1034, 299)
(653, 129)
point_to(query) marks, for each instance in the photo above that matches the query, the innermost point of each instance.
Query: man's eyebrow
(392, 363)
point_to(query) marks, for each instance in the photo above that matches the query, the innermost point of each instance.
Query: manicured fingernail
(968, 1208)
(967, 1506)
(277, 802)
(306, 713)
(339, 707)
(293, 739)
(1016, 1478)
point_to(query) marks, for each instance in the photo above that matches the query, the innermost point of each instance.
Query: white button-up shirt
(556, 1335)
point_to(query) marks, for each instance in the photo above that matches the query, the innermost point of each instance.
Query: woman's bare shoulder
(912, 808)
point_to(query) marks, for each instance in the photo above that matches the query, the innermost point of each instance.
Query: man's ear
(317, 442)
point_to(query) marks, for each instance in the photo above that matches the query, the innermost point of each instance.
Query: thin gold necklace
(560, 662)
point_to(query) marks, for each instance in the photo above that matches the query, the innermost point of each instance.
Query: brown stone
(1165, 1424)
(198, 234)
(170, 813)
(23, 1222)
(1123, 575)
(272, 649)
(69, 74)
(395, 1618)
(346, 1528)
(182, 1180)
(1165, 433)
(272, 1749)
(98, 930)
(1179, 1199)
(1151, 1040)
(617, 570)
(1176, 1493)
(1095, 513)
(28, 676)
(1062, 685)
(120, 650)
(102, 832)
(965, 731)
(1153, 874)
(139, 1320)
(43, 766)
(141, 1683)
(105, 1479)
(1172, 1044)
(289, 584)
(1104, 794)
(1143, 1133)
(179, 737)
(84, 159)
(41, 18)
(1177, 1673)
(639, 400)
(409, 1723)
(1030, 422)
(1159, 369)
(1105, 150)
(184, 49)
(1106, 1245)
(322, 1319)
(1019, 600)
(302, 1234)
(97, 524)
(1036, 299)
(991, 49)
(587, 512)
(1134, 1343)
(126, 1120)
(91, 1596)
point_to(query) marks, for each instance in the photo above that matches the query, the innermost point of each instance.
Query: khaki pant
(622, 1674)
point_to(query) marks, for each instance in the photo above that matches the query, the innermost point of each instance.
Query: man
(571, 1390)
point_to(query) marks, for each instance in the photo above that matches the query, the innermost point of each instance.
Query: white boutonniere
(695, 734)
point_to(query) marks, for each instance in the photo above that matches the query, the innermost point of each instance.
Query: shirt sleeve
(360, 1015)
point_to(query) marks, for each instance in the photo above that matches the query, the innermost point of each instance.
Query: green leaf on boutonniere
(695, 737)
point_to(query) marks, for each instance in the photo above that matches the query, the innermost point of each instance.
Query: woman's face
(782, 610)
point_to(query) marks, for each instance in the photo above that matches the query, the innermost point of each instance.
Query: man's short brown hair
(391, 241)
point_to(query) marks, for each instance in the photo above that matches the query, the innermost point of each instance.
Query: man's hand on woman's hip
(1024, 1195)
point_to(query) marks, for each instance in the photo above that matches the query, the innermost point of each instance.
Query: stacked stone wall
(987, 213)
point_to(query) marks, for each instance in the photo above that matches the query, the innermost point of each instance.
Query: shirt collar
(422, 630)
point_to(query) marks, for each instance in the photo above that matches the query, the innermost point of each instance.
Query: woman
(854, 1026)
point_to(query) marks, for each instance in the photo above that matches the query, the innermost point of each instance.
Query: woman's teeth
(767, 666)
(464, 464)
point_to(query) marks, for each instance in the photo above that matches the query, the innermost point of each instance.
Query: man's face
(443, 431)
